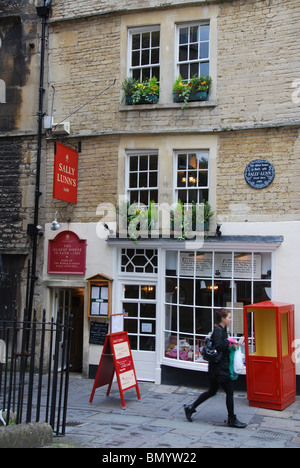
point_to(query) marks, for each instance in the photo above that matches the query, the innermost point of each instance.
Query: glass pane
(183, 53)
(182, 161)
(202, 160)
(143, 179)
(203, 179)
(181, 179)
(171, 263)
(193, 52)
(143, 163)
(131, 291)
(184, 71)
(133, 163)
(148, 292)
(203, 293)
(130, 325)
(243, 292)
(186, 344)
(171, 290)
(171, 318)
(194, 34)
(147, 327)
(131, 310)
(192, 179)
(155, 56)
(135, 41)
(204, 50)
(146, 73)
(243, 265)
(145, 57)
(144, 197)
(155, 72)
(153, 179)
(186, 291)
(194, 69)
(262, 291)
(148, 310)
(155, 39)
(133, 180)
(183, 35)
(147, 343)
(153, 163)
(204, 68)
(203, 321)
(204, 32)
(136, 74)
(222, 293)
(135, 59)
(145, 40)
(186, 320)
(132, 341)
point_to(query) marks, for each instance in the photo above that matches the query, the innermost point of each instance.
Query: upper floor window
(144, 53)
(193, 50)
(192, 179)
(142, 177)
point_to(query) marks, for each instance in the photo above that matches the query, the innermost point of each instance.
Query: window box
(199, 96)
(149, 99)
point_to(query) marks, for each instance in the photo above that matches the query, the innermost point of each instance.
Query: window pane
(148, 310)
(204, 32)
(148, 292)
(135, 59)
(143, 163)
(203, 321)
(131, 291)
(183, 35)
(131, 310)
(186, 320)
(130, 325)
(204, 68)
(204, 50)
(133, 180)
(136, 41)
(183, 53)
(194, 52)
(143, 179)
(153, 179)
(146, 40)
(147, 343)
(153, 163)
(155, 56)
(194, 34)
(133, 163)
(145, 57)
(184, 71)
(155, 39)
(146, 74)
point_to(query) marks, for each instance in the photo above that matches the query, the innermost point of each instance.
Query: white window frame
(129, 189)
(199, 61)
(131, 32)
(175, 175)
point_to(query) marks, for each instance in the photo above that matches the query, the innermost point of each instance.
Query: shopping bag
(238, 362)
(233, 375)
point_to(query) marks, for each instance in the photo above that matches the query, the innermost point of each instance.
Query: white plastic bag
(238, 364)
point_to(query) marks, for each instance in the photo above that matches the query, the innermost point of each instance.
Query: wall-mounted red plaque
(65, 177)
(67, 254)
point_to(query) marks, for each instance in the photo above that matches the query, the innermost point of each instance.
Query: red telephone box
(271, 372)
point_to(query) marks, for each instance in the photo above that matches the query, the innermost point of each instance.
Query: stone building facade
(169, 290)
(19, 88)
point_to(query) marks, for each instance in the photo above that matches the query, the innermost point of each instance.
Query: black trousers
(214, 383)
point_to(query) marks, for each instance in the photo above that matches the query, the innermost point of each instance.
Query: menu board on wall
(222, 267)
(99, 296)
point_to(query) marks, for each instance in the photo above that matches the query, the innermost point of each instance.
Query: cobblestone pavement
(157, 420)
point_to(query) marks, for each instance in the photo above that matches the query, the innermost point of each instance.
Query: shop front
(169, 293)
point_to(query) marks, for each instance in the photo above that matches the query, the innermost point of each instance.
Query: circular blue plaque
(259, 174)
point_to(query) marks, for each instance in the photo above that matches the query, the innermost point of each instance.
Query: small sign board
(116, 357)
(259, 174)
(65, 176)
(98, 332)
(67, 254)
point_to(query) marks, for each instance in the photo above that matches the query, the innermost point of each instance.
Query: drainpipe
(43, 12)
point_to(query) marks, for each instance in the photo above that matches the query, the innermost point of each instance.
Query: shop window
(192, 178)
(144, 53)
(199, 283)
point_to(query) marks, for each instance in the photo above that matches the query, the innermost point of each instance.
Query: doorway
(71, 300)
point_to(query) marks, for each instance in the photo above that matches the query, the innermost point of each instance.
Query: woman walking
(219, 371)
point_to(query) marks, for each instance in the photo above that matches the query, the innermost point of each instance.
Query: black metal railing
(34, 370)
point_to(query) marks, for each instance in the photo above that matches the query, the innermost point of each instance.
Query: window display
(199, 283)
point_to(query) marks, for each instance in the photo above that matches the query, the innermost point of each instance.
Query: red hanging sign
(65, 177)
(67, 254)
(116, 356)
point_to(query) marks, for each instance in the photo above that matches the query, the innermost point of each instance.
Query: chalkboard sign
(98, 332)
(259, 174)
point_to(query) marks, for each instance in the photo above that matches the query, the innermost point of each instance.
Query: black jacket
(220, 369)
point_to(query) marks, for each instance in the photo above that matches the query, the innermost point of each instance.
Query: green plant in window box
(140, 92)
(197, 89)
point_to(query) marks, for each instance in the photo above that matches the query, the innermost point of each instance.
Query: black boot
(189, 410)
(234, 422)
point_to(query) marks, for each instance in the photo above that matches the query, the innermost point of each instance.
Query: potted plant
(197, 89)
(140, 92)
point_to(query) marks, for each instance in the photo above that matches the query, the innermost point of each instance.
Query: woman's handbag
(232, 352)
(209, 352)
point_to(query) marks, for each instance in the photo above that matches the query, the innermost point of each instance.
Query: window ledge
(172, 105)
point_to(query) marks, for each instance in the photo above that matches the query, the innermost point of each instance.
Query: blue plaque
(259, 174)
